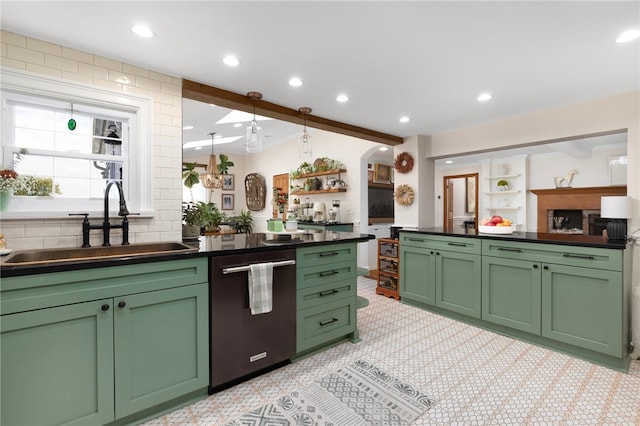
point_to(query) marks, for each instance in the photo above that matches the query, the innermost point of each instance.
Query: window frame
(139, 193)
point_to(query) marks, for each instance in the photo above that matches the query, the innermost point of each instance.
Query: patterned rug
(360, 394)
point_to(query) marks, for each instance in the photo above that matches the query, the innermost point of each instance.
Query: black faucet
(106, 225)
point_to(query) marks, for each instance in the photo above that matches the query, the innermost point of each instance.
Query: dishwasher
(243, 345)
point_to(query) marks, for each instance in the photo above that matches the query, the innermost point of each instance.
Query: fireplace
(576, 210)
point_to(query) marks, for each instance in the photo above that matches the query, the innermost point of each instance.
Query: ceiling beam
(224, 98)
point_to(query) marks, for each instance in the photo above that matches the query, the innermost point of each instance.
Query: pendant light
(254, 135)
(305, 138)
(212, 179)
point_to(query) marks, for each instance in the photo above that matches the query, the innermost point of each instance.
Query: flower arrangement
(8, 180)
(280, 200)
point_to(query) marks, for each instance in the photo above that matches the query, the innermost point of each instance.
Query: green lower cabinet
(324, 323)
(458, 282)
(583, 307)
(511, 293)
(417, 275)
(161, 349)
(57, 365)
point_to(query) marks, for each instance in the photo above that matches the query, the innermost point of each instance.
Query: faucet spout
(106, 225)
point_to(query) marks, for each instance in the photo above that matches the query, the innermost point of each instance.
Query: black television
(381, 203)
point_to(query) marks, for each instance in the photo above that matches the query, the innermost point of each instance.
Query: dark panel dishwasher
(243, 345)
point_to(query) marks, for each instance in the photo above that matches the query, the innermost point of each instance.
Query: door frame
(448, 224)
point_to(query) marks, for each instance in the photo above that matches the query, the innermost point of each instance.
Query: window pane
(35, 165)
(34, 139)
(34, 118)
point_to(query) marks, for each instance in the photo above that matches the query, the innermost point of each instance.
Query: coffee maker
(319, 212)
(334, 212)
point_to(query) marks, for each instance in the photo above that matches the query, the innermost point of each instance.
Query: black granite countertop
(530, 237)
(204, 246)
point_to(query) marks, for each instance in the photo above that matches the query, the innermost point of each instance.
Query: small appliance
(319, 212)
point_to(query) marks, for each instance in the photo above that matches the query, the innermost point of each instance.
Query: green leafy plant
(242, 223)
(190, 175)
(223, 166)
(204, 215)
(502, 182)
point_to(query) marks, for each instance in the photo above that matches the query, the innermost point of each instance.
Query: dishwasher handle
(248, 267)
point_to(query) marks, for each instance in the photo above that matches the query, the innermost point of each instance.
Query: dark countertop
(323, 223)
(205, 246)
(530, 237)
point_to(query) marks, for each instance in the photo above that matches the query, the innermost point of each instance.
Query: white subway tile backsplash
(26, 55)
(107, 63)
(77, 55)
(60, 63)
(43, 46)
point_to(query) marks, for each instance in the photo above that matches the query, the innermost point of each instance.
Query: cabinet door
(417, 274)
(511, 293)
(161, 346)
(458, 282)
(57, 365)
(583, 307)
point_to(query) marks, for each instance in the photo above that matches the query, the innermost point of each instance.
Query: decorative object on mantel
(305, 138)
(404, 195)
(254, 136)
(255, 191)
(403, 162)
(212, 179)
(616, 208)
(566, 179)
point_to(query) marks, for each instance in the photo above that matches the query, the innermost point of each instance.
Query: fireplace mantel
(572, 199)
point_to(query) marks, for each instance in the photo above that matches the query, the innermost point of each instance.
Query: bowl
(500, 230)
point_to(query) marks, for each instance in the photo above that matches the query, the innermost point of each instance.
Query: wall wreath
(404, 195)
(403, 162)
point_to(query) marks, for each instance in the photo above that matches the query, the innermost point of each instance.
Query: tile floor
(476, 376)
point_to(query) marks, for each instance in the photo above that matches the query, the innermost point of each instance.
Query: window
(64, 168)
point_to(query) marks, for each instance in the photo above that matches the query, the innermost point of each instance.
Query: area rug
(360, 394)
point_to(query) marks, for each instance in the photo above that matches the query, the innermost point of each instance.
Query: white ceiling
(425, 59)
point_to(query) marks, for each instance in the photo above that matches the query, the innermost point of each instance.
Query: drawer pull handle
(327, 322)
(457, 244)
(328, 292)
(327, 273)
(329, 253)
(579, 256)
(415, 239)
(516, 250)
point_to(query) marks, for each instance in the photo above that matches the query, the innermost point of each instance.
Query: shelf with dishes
(314, 185)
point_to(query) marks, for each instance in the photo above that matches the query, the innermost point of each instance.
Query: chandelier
(254, 134)
(212, 179)
(305, 138)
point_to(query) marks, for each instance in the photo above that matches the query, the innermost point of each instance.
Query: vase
(5, 199)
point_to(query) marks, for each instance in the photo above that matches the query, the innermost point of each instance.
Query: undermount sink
(32, 257)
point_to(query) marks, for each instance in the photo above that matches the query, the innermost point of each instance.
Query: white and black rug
(360, 394)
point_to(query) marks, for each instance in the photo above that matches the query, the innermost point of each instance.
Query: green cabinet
(442, 272)
(326, 296)
(338, 227)
(127, 339)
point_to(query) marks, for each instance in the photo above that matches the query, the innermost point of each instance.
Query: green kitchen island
(569, 293)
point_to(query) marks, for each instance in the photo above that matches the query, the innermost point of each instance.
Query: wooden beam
(224, 98)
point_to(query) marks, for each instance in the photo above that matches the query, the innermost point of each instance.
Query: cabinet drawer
(325, 293)
(322, 255)
(316, 275)
(457, 244)
(586, 257)
(321, 324)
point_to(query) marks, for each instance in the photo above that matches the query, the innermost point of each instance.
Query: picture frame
(382, 173)
(227, 201)
(370, 175)
(228, 182)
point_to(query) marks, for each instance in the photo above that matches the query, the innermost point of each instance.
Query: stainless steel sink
(33, 257)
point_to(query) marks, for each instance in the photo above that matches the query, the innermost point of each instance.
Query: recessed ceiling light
(142, 31)
(342, 98)
(405, 119)
(448, 162)
(187, 128)
(383, 148)
(231, 61)
(483, 97)
(237, 125)
(295, 82)
(628, 35)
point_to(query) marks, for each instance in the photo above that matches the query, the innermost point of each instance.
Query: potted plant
(243, 223)
(193, 220)
(503, 185)
(212, 217)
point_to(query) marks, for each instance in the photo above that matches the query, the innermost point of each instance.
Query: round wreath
(403, 162)
(404, 195)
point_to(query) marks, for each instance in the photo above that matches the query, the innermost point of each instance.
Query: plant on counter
(36, 186)
(203, 215)
(242, 223)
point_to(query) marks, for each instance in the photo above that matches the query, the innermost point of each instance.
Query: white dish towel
(260, 288)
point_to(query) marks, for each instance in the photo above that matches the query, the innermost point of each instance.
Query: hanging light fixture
(254, 136)
(305, 138)
(212, 179)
